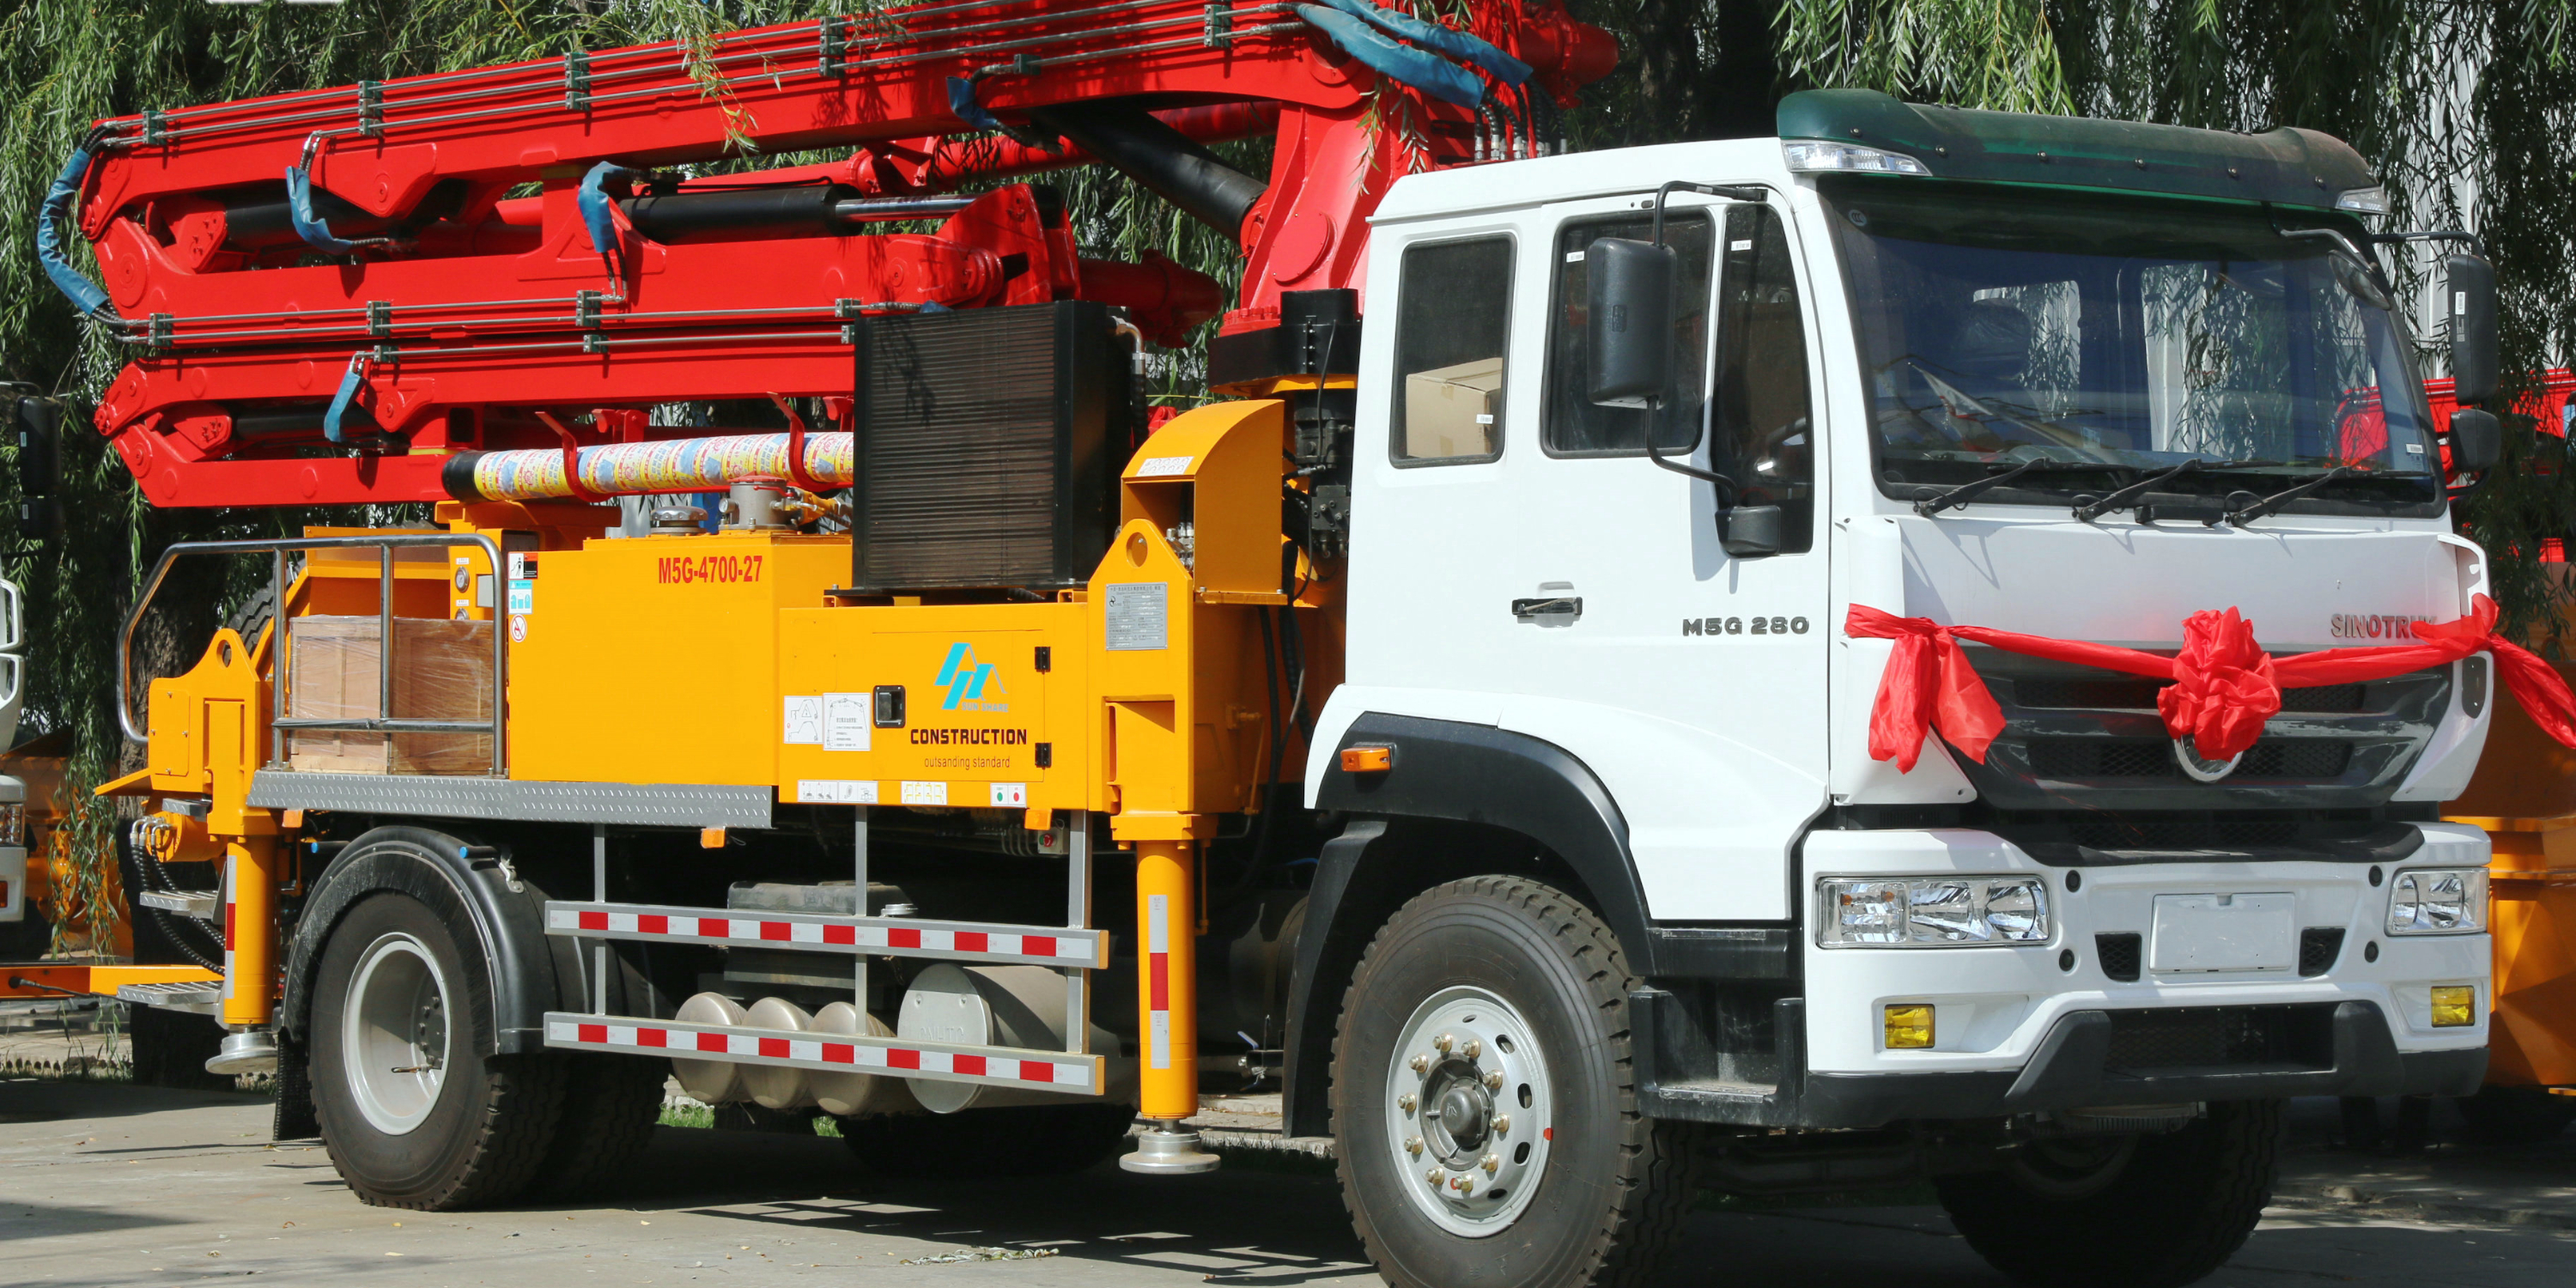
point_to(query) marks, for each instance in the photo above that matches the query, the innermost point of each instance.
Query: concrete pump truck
(1725, 665)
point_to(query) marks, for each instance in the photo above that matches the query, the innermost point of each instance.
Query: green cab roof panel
(2290, 166)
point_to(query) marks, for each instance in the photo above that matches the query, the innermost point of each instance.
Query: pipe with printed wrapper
(639, 469)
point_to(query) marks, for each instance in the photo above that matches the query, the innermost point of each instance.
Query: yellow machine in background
(2524, 795)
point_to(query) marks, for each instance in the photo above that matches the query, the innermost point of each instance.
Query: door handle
(1558, 610)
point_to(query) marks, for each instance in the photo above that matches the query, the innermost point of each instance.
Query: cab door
(1690, 681)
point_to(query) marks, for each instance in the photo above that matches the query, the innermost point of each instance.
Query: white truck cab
(1867, 315)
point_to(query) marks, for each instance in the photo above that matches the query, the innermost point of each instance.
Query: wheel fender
(1456, 771)
(1473, 773)
(505, 912)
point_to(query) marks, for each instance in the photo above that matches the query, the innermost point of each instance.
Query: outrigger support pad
(1166, 1150)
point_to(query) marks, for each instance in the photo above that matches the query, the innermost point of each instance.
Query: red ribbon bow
(2224, 685)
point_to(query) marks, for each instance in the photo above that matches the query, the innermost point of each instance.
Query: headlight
(2438, 901)
(1931, 912)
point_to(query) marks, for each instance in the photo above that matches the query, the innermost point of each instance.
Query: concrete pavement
(109, 1184)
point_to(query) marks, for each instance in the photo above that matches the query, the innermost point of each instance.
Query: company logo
(2370, 626)
(2200, 770)
(971, 686)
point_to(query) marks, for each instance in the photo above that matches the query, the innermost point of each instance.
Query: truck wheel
(1012, 1140)
(2517, 1115)
(1485, 1103)
(414, 1114)
(610, 1106)
(2124, 1211)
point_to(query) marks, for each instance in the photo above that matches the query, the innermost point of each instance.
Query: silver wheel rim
(394, 1033)
(1469, 1114)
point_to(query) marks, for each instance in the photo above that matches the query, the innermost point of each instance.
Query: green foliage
(1999, 54)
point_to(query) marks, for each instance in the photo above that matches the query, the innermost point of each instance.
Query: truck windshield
(2000, 326)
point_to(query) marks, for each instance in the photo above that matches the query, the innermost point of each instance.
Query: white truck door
(1691, 682)
(1428, 579)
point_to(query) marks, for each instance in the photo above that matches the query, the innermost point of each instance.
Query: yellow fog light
(2454, 1006)
(1909, 1028)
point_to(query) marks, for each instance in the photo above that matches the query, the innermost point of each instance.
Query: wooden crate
(442, 671)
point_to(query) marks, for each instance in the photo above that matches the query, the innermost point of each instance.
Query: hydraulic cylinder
(250, 932)
(1167, 1004)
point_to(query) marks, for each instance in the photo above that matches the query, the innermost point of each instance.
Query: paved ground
(108, 1184)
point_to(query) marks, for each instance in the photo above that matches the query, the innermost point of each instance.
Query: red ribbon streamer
(2224, 685)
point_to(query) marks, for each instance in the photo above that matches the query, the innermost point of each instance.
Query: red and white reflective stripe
(1053, 948)
(769, 1046)
(232, 883)
(1158, 982)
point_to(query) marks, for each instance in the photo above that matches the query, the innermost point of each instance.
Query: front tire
(414, 1114)
(2162, 1211)
(1485, 1104)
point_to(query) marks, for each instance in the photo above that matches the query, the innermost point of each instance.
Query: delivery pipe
(640, 469)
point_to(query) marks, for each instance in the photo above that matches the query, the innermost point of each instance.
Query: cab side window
(1453, 326)
(1766, 438)
(1577, 427)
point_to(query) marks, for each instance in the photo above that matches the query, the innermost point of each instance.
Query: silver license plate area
(2224, 932)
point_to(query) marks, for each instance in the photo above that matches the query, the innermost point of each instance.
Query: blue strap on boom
(85, 295)
(1457, 44)
(309, 226)
(597, 206)
(1404, 64)
(350, 382)
(962, 105)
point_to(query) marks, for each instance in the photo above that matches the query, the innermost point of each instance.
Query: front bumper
(2049, 1026)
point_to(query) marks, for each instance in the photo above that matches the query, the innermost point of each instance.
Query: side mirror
(1749, 531)
(2469, 282)
(1629, 287)
(2477, 441)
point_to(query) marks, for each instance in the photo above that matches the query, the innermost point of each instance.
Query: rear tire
(1013, 1140)
(610, 1106)
(2177, 1208)
(1527, 983)
(413, 1112)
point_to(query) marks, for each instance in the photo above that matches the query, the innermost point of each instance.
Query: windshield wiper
(2245, 514)
(2119, 500)
(1952, 498)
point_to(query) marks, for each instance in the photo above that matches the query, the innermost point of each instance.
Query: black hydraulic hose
(1170, 164)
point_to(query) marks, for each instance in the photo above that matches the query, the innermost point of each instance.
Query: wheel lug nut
(1466, 1186)
(1413, 1146)
(1502, 1124)
(1492, 1163)
(1435, 1176)
(1405, 1102)
(1472, 1049)
(1442, 1043)
(1419, 1064)
(1494, 1080)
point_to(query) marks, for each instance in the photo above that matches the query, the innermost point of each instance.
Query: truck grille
(2120, 952)
(2318, 948)
(2078, 740)
(2076, 758)
(2222, 1037)
(2140, 695)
